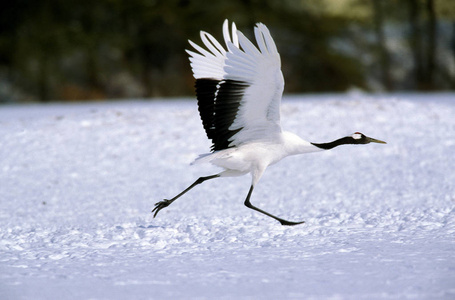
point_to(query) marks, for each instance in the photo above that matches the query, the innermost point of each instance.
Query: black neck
(342, 141)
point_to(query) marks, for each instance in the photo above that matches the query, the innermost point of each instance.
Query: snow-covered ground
(78, 182)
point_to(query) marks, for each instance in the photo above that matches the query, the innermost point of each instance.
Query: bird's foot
(289, 223)
(160, 205)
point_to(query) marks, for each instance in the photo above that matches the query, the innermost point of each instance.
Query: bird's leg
(166, 202)
(249, 205)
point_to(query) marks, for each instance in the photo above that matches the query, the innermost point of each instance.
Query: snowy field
(78, 182)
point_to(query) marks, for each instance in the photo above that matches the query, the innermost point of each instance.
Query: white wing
(239, 89)
(210, 64)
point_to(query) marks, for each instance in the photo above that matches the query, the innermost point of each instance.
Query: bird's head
(360, 138)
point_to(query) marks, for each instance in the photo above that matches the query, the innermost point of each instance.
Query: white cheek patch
(356, 136)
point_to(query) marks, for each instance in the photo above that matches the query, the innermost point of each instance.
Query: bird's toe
(160, 205)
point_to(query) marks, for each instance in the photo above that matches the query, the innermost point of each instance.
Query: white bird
(239, 89)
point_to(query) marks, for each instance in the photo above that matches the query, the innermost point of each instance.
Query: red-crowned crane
(239, 91)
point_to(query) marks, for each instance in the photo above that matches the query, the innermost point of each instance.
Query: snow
(78, 182)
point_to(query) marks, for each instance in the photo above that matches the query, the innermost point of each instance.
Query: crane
(239, 89)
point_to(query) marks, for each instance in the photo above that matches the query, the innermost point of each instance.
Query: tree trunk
(431, 46)
(415, 42)
(43, 84)
(384, 58)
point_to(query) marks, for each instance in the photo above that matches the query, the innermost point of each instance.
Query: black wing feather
(205, 91)
(218, 103)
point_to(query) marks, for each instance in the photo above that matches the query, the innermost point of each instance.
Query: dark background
(109, 49)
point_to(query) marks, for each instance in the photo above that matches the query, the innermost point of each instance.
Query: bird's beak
(372, 140)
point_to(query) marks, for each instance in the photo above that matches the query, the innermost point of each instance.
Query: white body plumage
(255, 156)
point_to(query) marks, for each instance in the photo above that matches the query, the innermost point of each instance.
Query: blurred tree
(445, 14)
(75, 50)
